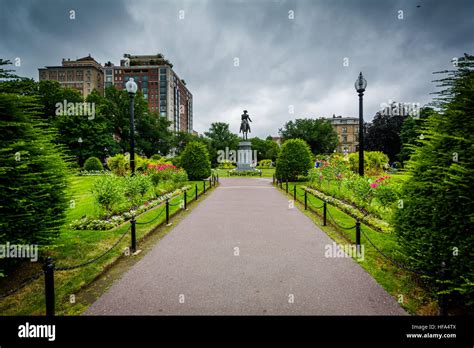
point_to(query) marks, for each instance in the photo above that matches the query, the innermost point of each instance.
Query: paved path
(281, 257)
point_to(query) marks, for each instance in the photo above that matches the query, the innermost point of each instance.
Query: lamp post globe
(131, 88)
(360, 86)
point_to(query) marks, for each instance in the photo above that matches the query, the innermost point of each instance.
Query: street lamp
(131, 87)
(360, 86)
(80, 149)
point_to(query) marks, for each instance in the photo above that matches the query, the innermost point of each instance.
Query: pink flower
(373, 185)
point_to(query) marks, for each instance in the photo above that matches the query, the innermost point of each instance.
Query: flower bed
(103, 224)
(350, 210)
(235, 172)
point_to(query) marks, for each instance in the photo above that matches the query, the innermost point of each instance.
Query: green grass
(394, 280)
(266, 173)
(74, 247)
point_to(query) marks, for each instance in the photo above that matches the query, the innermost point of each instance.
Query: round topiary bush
(93, 163)
(195, 161)
(295, 158)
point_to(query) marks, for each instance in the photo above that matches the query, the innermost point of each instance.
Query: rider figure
(246, 118)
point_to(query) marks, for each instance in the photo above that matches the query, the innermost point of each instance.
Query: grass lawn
(74, 247)
(399, 283)
(266, 173)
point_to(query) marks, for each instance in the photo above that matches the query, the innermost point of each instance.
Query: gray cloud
(282, 61)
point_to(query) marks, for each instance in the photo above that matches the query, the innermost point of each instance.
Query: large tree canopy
(317, 133)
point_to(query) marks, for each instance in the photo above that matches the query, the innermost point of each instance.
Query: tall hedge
(295, 158)
(435, 221)
(33, 175)
(195, 161)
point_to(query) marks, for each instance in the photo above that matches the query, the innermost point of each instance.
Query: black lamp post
(80, 149)
(360, 86)
(131, 87)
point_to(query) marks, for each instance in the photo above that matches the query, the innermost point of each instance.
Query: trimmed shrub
(195, 160)
(266, 163)
(92, 164)
(226, 164)
(294, 159)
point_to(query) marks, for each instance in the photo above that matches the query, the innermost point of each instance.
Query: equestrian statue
(245, 125)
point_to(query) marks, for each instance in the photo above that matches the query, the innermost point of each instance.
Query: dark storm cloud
(282, 62)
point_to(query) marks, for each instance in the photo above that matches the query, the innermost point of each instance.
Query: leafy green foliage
(318, 134)
(93, 163)
(220, 137)
(383, 134)
(374, 162)
(33, 175)
(266, 149)
(295, 159)
(108, 191)
(195, 160)
(435, 223)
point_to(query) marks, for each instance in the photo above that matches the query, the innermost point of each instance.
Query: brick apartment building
(84, 74)
(166, 93)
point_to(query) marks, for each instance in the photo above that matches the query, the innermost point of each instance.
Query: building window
(344, 139)
(344, 129)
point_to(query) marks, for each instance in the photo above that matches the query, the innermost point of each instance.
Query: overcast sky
(285, 63)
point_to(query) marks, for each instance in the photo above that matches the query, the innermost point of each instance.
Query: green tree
(410, 133)
(317, 133)
(93, 128)
(294, 159)
(435, 223)
(220, 137)
(195, 161)
(33, 175)
(383, 134)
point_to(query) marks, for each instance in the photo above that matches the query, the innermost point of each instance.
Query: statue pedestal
(245, 156)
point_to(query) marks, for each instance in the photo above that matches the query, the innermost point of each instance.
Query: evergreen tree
(435, 223)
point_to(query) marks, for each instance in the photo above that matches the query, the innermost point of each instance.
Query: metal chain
(314, 206)
(149, 221)
(338, 225)
(67, 268)
(23, 284)
(395, 263)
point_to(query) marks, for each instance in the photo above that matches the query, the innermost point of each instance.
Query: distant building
(347, 129)
(84, 74)
(165, 92)
(277, 140)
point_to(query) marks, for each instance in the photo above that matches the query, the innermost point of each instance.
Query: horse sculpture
(245, 125)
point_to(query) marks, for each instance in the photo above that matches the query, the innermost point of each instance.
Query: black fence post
(210, 183)
(204, 186)
(443, 303)
(134, 234)
(294, 192)
(48, 269)
(273, 179)
(196, 189)
(286, 185)
(305, 200)
(324, 212)
(358, 235)
(217, 177)
(185, 199)
(167, 211)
